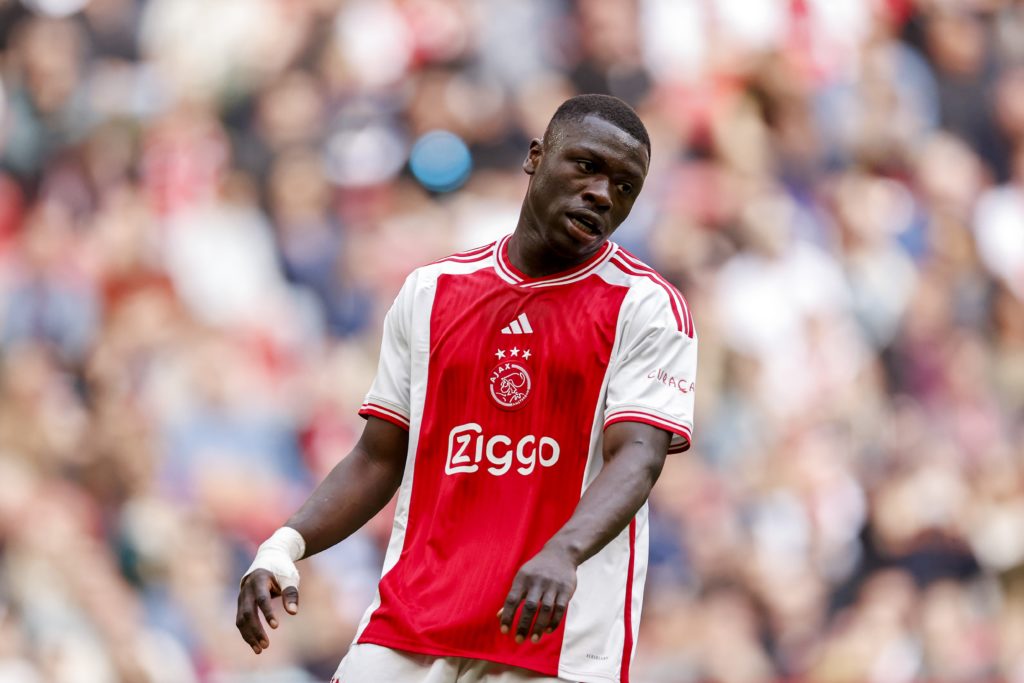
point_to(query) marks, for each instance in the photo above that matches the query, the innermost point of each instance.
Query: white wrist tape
(278, 555)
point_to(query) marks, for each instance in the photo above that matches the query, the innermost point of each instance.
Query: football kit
(506, 384)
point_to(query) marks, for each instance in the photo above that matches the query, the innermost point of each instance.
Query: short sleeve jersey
(506, 384)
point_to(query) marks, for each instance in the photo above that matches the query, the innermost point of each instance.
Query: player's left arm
(648, 413)
(634, 454)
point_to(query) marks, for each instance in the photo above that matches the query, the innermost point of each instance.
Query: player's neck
(533, 258)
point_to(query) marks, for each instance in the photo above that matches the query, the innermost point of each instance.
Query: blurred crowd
(205, 209)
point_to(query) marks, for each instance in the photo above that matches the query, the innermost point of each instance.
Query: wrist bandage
(278, 555)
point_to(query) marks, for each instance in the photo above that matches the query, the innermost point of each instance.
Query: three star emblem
(515, 352)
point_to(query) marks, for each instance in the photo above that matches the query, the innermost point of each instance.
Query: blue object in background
(440, 161)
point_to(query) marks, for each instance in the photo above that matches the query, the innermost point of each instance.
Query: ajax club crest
(509, 380)
(510, 385)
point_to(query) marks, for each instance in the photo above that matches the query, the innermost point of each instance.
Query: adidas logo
(520, 325)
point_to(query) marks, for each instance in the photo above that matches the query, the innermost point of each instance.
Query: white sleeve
(654, 372)
(388, 397)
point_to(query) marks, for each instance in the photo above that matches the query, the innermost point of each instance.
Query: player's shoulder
(474, 255)
(460, 262)
(643, 280)
(649, 289)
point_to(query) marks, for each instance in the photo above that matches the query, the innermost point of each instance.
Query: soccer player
(527, 394)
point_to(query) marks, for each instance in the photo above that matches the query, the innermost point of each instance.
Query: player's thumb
(290, 598)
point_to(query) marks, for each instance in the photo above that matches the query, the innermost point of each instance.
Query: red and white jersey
(506, 384)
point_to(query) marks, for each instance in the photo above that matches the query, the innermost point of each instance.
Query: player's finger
(557, 612)
(290, 598)
(527, 614)
(248, 621)
(545, 610)
(242, 624)
(267, 607)
(261, 593)
(508, 610)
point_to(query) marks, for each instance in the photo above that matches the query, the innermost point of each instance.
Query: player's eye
(625, 188)
(585, 165)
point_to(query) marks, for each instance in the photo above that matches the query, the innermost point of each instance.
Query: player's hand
(543, 586)
(254, 596)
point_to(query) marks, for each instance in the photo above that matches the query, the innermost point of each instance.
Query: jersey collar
(509, 273)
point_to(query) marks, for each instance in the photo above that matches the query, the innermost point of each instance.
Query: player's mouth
(585, 226)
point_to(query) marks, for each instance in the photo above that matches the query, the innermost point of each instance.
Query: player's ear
(533, 156)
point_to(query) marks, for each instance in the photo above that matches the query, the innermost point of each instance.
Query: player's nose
(598, 193)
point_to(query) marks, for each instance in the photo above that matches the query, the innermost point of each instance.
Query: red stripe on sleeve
(627, 641)
(654, 421)
(368, 409)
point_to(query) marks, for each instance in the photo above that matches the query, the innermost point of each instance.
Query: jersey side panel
(420, 306)
(409, 352)
(640, 565)
(593, 642)
(602, 623)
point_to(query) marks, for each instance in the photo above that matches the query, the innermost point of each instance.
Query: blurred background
(206, 207)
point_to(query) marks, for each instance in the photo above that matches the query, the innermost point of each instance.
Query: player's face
(583, 185)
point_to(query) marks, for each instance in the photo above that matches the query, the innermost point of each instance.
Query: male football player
(527, 396)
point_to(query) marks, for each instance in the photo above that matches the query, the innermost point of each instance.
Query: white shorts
(368, 663)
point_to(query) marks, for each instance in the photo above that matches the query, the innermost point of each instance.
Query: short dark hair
(611, 109)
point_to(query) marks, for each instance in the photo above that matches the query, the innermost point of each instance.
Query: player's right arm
(354, 491)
